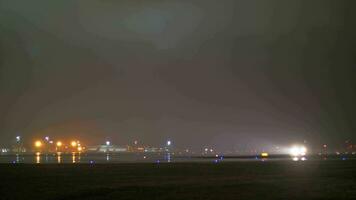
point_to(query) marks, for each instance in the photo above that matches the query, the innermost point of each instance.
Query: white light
(303, 151)
(47, 138)
(18, 138)
(107, 143)
(294, 151)
(297, 151)
(169, 143)
(303, 159)
(295, 158)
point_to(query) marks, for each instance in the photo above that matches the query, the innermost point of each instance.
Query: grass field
(226, 180)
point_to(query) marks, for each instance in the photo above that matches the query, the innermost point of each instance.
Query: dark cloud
(228, 73)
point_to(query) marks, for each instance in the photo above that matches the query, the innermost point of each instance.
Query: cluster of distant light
(298, 153)
(74, 144)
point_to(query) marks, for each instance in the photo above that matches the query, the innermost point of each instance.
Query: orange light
(264, 154)
(38, 144)
(59, 144)
(80, 148)
(74, 143)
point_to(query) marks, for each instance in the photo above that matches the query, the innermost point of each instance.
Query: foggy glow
(59, 144)
(298, 151)
(38, 144)
(74, 143)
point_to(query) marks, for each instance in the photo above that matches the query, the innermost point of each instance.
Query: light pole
(58, 146)
(38, 145)
(18, 144)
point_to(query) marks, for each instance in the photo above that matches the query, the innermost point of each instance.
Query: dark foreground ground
(226, 180)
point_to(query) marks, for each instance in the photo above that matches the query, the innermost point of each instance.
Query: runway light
(38, 144)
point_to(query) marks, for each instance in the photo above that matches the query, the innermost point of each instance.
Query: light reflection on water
(168, 158)
(59, 158)
(107, 157)
(75, 158)
(38, 159)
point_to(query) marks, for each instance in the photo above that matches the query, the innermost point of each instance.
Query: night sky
(230, 74)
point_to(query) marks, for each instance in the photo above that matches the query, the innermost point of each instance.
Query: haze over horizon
(235, 74)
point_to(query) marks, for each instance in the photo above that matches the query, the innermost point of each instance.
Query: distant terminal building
(4, 151)
(18, 149)
(107, 149)
(152, 150)
(118, 149)
(13, 150)
(349, 147)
